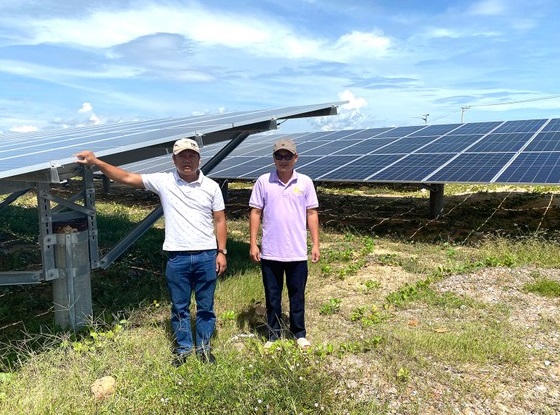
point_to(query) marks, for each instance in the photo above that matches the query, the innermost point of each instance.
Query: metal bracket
(55, 178)
(198, 138)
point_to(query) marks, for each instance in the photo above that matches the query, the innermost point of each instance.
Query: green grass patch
(470, 342)
(543, 286)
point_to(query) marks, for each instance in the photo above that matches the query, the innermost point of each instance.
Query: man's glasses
(287, 156)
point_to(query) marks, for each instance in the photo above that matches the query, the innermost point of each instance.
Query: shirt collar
(292, 179)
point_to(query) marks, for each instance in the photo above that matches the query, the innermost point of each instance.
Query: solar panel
(453, 143)
(357, 169)
(499, 143)
(52, 152)
(435, 130)
(470, 168)
(533, 168)
(478, 128)
(409, 168)
(546, 141)
(523, 151)
(519, 126)
(553, 125)
(359, 148)
(510, 152)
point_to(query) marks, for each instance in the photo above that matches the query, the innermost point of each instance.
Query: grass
(543, 286)
(385, 338)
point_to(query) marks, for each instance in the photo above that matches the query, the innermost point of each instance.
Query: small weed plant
(331, 307)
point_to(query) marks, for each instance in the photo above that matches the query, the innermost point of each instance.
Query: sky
(397, 62)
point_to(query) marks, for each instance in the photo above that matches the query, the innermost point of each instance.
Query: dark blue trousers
(273, 279)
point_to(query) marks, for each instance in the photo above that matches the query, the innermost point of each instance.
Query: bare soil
(440, 387)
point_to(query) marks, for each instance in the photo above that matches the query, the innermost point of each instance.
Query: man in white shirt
(195, 239)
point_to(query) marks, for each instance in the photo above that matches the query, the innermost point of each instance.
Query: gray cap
(285, 144)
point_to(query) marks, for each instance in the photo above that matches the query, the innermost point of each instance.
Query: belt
(190, 252)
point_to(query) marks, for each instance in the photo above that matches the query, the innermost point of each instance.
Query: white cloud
(50, 73)
(179, 57)
(86, 107)
(92, 119)
(24, 129)
(361, 44)
(353, 101)
(488, 8)
(440, 32)
(349, 115)
(258, 35)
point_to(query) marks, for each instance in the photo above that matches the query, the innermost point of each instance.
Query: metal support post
(436, 200)
(72, 289)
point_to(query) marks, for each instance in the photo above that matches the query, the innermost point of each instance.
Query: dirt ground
(486, 389)
(466, 219)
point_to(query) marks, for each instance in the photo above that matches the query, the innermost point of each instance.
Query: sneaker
(303, 343)
(180, 359)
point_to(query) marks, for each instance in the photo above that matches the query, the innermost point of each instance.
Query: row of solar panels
(43, 151)
(520, 152)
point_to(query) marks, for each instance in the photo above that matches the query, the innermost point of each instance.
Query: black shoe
(207, 357)
(180, 359)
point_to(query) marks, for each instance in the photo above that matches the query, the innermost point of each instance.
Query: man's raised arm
(112, 172)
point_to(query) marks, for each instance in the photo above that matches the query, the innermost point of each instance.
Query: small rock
(103, 387)
(540, 388)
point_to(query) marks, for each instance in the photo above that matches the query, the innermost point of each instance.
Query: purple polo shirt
(284, 215)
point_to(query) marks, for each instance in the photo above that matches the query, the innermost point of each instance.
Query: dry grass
(407, 315)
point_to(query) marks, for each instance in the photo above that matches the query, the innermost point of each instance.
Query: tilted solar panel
(522, 151)
(531, 168)
(49, 155)
(435, 130)
(553, 125)
(358, 169)
(470, 168)
(546, 141)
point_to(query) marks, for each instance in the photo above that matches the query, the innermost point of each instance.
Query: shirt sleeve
(311, 196)
(256, 199)
(152, 181)
(218, 200)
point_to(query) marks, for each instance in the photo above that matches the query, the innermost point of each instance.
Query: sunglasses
(287, 156)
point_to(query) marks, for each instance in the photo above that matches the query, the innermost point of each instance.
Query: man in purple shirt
(287, 202)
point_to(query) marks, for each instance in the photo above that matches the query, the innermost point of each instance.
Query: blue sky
(67, 63)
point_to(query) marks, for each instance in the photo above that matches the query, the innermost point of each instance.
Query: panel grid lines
(489, 152)
(44, 153)
(510, 152)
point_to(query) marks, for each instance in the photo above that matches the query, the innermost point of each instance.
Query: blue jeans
(273, 281)
(189, 272)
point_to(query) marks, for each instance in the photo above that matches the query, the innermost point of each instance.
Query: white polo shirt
(187, 209)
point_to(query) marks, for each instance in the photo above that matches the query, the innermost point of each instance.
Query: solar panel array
(40, 151)
(521, 152)
(508, 152)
